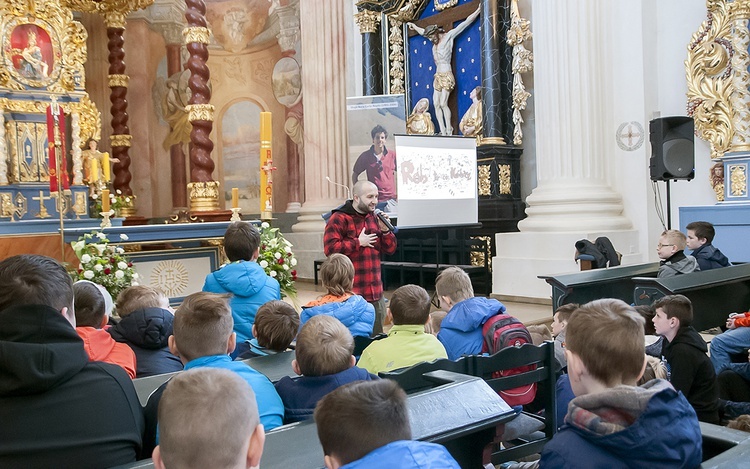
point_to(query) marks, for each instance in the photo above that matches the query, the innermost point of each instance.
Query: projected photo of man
(379, 164)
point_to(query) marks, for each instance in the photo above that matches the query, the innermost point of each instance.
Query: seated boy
(559, 323)
(145, 326)
(700, 234)
(407, 343)
(611, 422)
(324, 360)
(245, 279)
(91, 316)
(337, 276)
(673, 260)
(203, 338)
(734, 341)
(208, 418)
(690, 370)
(366, 425)
(276, 326)
(461, 330)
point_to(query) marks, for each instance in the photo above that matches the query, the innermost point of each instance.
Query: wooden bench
(714, 293)
(724, 447)
(585, 286)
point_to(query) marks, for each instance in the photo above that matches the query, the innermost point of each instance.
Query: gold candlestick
(105, 219)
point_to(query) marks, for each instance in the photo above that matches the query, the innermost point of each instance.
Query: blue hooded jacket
(250, 287)
(709, 257)
(147, 332)
(355, 313)
(665, 432)
(461, 330)
(406, 454)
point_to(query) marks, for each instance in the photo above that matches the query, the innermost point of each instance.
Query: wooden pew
(585, 286)
(724, 447)
(714, 293)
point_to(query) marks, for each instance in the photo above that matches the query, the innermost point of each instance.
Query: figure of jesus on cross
(444, 81)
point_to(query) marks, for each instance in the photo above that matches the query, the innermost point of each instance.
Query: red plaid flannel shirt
(342, 236)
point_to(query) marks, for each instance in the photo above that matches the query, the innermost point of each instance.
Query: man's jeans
(731, 342)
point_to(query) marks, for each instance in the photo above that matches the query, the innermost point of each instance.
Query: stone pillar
(573, 199)
(324, 100)
(496, 70)
(372, 51)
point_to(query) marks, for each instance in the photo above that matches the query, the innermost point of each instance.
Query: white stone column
(573, 93)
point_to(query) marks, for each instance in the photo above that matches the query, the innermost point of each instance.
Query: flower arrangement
(277, 259)
(103, 264)
(117, 202)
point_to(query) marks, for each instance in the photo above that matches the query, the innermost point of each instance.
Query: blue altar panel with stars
(466, 57)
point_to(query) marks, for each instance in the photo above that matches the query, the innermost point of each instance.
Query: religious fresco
(240, 150)
(235, 23)
(30, 53)
(287, 81)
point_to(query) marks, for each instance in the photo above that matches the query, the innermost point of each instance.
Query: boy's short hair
(89, 305)
(202, 325)
(206, 417)
(378, 129)
(607, 335)
(648, 313)
(276, 325)
(565, 311)
(676, 306)
(361, 417)
(241, 240)
(454, 283)
(30, 279)
(740, 423)
(702, 229)
(676, 238)
(324, 346)
(410, 304)
(337, 274)
(436, 320)
(138, 297)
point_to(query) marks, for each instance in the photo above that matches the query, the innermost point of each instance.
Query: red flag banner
(56, 121)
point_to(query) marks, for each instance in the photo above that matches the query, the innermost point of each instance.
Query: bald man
(355, 231)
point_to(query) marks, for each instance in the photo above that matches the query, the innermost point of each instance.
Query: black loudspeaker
(672, 150)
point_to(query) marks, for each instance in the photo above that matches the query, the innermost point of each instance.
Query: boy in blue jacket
(607, 420)
(245, 279)
(461, 330)
(700, 235)
(324, 360)
(366, 425)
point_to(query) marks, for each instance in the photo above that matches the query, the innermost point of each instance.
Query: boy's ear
(352, 361)
(388, 315)
(105, 320)
(331, 462)
(256, 253)
(231, 342)
(643, 368)
(255, 450)
(69, 315)
(295, 367)
(255, 333)
(173, 346)
(156, 456)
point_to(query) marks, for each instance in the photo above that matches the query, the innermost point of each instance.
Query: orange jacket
(101, 347)
(742, 320)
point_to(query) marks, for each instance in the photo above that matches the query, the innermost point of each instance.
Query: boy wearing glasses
(673, 260)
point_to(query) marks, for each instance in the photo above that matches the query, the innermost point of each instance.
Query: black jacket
(57, 409)
(709, 257)
(147, 331)
(691, 371)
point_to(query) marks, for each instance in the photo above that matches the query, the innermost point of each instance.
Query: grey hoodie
(678, 264)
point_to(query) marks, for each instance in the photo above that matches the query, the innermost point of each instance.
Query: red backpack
(501, 331)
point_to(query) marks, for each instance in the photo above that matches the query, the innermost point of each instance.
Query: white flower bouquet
(103, 263)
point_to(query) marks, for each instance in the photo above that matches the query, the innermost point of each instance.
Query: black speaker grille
(678, 157)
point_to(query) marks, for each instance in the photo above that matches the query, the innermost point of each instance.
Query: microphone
(381, 216)
(346, 188)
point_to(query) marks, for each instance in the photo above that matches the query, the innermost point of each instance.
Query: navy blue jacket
(709, 257)
(300, 394)
(461, 330)
(147, 331)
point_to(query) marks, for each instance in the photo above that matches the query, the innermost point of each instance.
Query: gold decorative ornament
(120, 140)
(200, 112)
(79, 207)
(6, 205)
(115, 19)
(492, 141)
(483, 179)
(106, 7)
(196, 34)
(738, 179)
(503, 174)
(204, 196)
(441, 5)
(22, 205)
(118, 80)
(171, 277)
(476, 257)
(128, 207)
(396, 56)
(368, 21)
(523, 61)
(91, 119)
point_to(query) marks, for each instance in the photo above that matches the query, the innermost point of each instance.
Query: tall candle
(266, 165)
(105, 167)
(105, 200)
(235, 197)
(94, 169)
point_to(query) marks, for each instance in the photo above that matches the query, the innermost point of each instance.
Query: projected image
(428, 174)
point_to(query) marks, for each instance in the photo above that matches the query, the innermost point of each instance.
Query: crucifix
(267, 209)
(42, 209)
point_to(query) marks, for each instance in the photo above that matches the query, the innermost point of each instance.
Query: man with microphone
(357, 232)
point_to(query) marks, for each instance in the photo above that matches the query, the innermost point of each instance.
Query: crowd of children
(624, 372)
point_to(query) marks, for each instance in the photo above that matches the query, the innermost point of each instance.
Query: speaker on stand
(672, 152)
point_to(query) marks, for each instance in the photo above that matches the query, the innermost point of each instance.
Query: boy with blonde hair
(606, 422)
(276, 326)
(671, 249)
(366, 425)
(461, 330)
(146, 321)
(324, 362)
(407, 343)
(208, 418)
(337, 276)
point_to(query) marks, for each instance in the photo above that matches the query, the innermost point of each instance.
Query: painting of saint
(32, 56)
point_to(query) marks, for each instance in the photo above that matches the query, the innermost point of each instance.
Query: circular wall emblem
(171, 277)
(630, 136)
